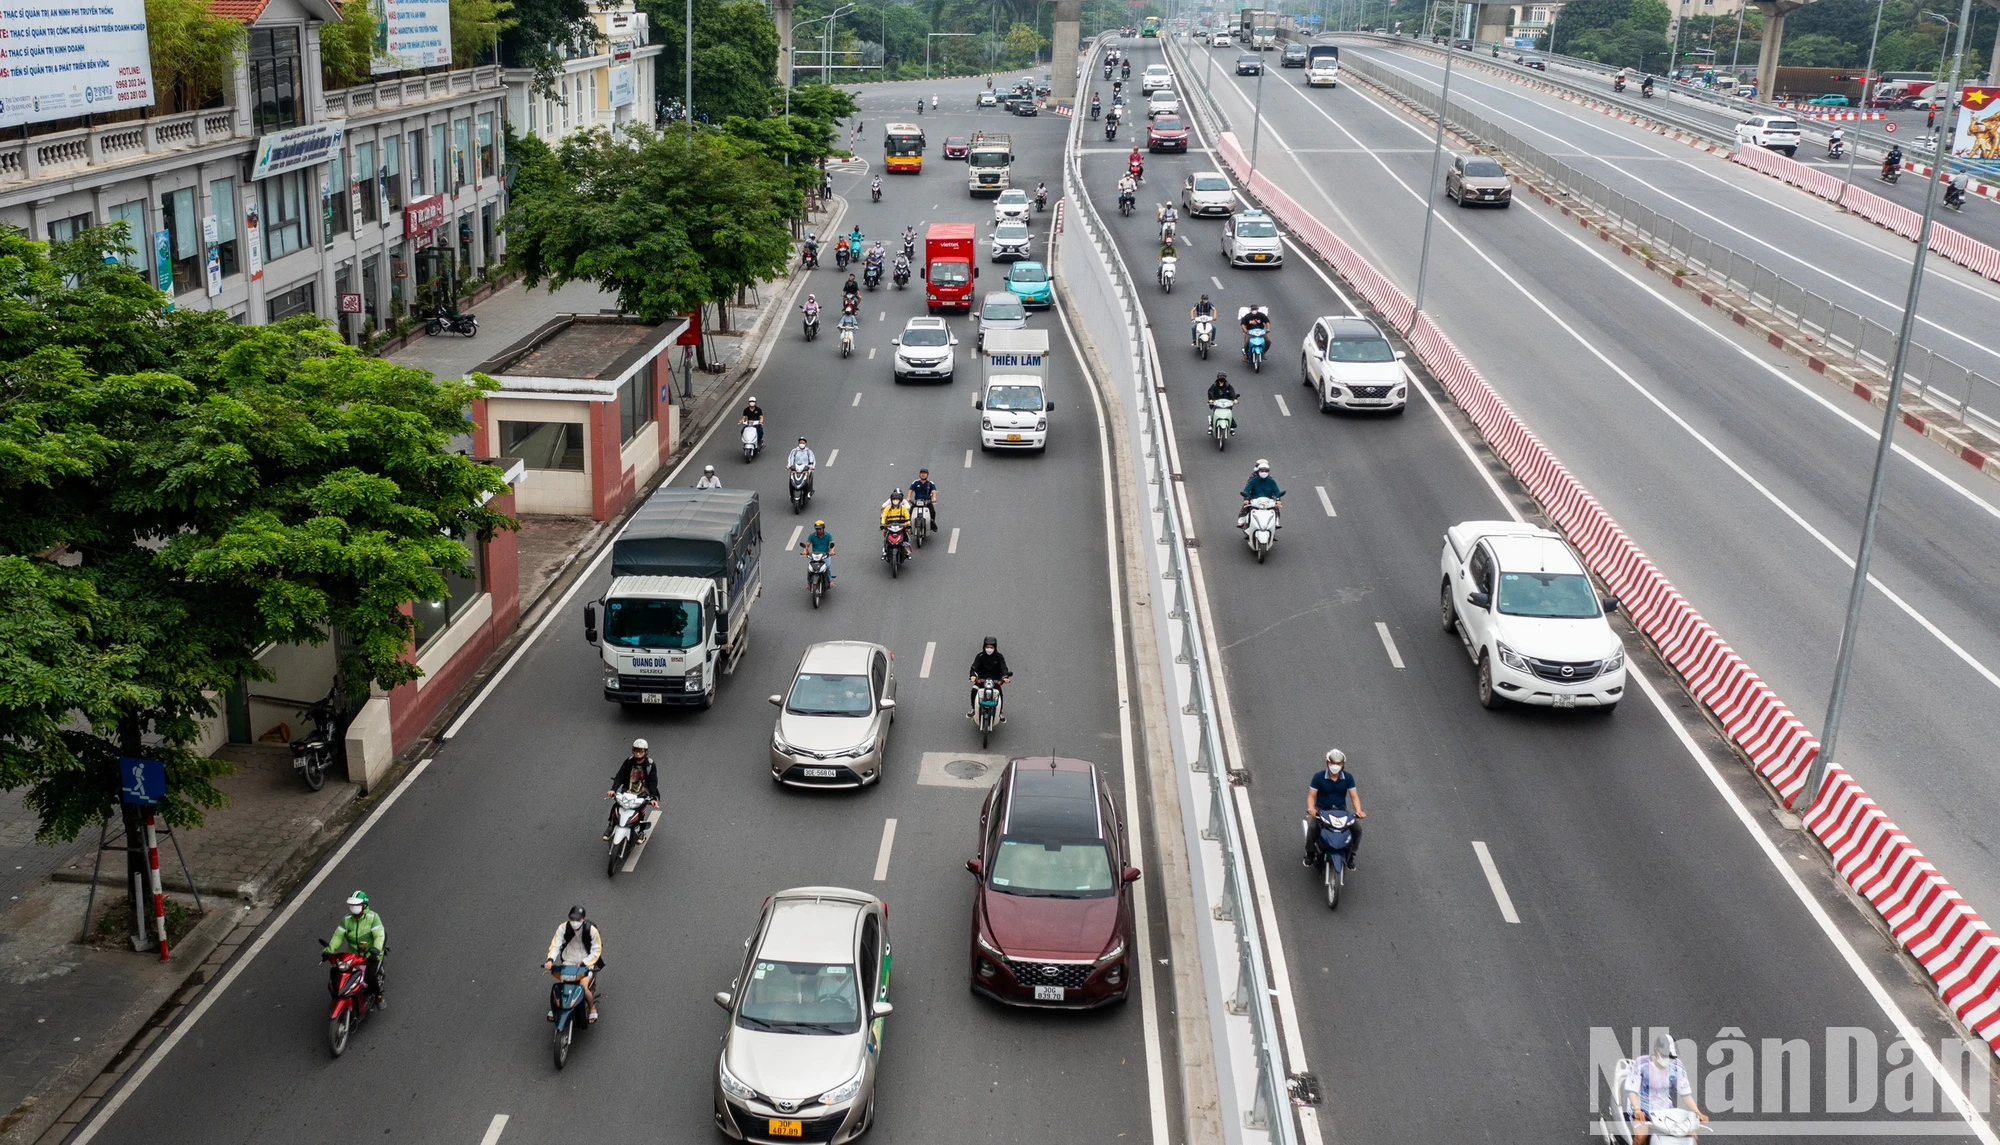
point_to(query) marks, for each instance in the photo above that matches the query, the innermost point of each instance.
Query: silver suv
(1250, 238)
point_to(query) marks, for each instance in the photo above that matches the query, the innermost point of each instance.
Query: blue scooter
(570, 1013)
(1253, 350)
(1336, 835)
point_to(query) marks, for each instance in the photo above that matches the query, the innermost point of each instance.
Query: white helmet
(710, 469)
(1336, 756)
(1263, 466)
(638, 745)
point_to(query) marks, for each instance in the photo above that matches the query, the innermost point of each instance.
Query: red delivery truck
(950, 265)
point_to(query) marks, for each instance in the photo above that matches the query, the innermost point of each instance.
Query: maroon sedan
(1052, 920)
(956, 147)
(1167, 133)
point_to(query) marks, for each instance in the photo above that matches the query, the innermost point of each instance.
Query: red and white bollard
(153, 877)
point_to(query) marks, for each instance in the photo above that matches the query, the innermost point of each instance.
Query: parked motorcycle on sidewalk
(629, 828)
(1260, 529)
(313, 755)
(447, 321)
(1336, 835)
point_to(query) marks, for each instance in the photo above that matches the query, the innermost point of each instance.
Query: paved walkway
(510, 314)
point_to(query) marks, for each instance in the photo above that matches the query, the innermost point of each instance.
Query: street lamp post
(1867, 73)
(1430, 190)
(1891, 417)
(1257, 118)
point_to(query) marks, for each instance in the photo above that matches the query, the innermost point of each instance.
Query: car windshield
(1166, 123)
(652, 623)
(925, 336)
(1011, 230)
(988, 159)
(950, 273)
(1485, 169)
(1012, 198)
(814, 694)
(1210, 183)
(1052, 870)
(1256, 229)
(1003, 311)
(1360, 350)
(954, 141)
(1014, 399)
(801, 998)
(1782, 125)
(1555, 596)
(1029, 274)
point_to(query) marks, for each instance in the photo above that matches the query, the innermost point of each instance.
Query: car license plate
(1260, 258)
(1563, 701)
(1013, 437)
(787, 1128)
(1048, 993)
(652, 698)
(820, 772)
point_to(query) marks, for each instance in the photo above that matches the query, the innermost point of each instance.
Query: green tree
(735, 54)
(545, 32)
(1816, 50)
(181, 491)
(668, 220)
(1024, 45)
(347, 45)
(194, 52)
(476, 27)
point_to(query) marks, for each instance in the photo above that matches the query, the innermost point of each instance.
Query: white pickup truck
(1520, 600)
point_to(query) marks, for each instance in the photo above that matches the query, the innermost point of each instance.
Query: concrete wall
(474, 635)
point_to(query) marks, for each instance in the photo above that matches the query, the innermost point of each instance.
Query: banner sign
(423, 216)
(621, 86)
(297, 147)
(1976, 137)
(63, 60)
(413, 34)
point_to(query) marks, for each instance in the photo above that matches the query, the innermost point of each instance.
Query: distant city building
(612, 86)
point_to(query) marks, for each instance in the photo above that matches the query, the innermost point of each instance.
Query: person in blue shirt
(820, 541)
(1333, 789)
(924, 491)
(1261, 484)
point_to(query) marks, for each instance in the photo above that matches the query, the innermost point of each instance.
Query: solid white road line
(494, 1130)
(953, 546)
(1493, 879)
(930, 650)
(1389, 645)
(882, 855)
(968, 459)
(792, 542)
(1282, 407)
(831, 457)
(857, 399)
(131, 1082)
(1325, 501)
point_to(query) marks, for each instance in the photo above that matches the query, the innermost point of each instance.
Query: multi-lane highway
(477, 860)
(1737, 470)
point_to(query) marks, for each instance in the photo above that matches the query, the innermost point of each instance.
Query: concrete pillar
(1774, 12)
(1062, 58)
(1493, 20)
(781, 11)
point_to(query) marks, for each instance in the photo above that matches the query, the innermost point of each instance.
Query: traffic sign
(142, 782)
(1890, 128)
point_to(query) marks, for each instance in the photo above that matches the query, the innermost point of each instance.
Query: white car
(1350, 365)
(1011, 240)
(1250, 238)
(1777, 132)
(1013, 203)
(1207, 193)
(1220, 40)
(1520, 600)
(1156, 77)
(988, 99)
(924, 351)
(1162, 102)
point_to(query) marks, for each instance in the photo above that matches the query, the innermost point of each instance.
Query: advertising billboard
(64, 60)
(1975, 139)
(412, 34)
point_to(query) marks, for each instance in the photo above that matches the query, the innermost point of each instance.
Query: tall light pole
(1867, 74)
(1892, 415)
(1257, 117)
(1430, 189)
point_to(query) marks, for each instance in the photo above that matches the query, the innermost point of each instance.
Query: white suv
(1519, 599)
(1156, 77)
(1250, 238)
(1207, 193)
(924, 351)
(1777, 132)
(1350, 365)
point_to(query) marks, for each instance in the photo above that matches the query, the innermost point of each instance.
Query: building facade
(290, 199)
(611, 87)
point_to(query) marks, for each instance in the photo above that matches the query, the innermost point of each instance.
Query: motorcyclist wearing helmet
(812, 248)
(753, 414)
(1261, 484)
(801, 457)
(1333, 789)
(895, 511)
(989, 665)
(578, 943)
(850, 291)
(1892, 161)
(1656, 1083)
(708, 479)
(639, 775)
(1096, 105)
(1221, 389)
(1200, 310)
(820, 541)
(1257, 318)
(924, 491)
(361, 931)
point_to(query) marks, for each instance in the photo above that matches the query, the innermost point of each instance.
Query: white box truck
(988, 163)
(1322, 65)
(676, 616)
(1013, 400)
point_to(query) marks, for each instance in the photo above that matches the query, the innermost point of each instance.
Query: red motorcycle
(1138, 169)
(352, 1000)
(896, 546)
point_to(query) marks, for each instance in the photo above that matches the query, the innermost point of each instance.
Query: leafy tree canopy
(542, 34)
(735, 54)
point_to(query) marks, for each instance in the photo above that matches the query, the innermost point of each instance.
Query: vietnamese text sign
(423, 216)
(297, 147)
(1976, 137)
(61, 60)
(621, 86)
(413, 34)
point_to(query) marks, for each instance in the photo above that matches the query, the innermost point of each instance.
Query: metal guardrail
(1249, 999)
(1864, 341)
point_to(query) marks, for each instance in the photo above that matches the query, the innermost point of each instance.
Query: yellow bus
(903, 148)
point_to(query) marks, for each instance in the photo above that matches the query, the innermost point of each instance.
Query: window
(652, 623)
(1053, 869)
(801, 998)
(333, 201)
(1021, 399)
(814, 694)
(488, 157)
(292, 303)
(133, 215)
(276, 86)
(392, 172)
(461, 153)
(1480, 568)
(371, 278)
(440, 162)
(1555, 596)
(534, 114)
(364, 175)
(222, 204)
(416, 164)
(183, 238)
(63, 230)
(635, 405)
(434, 616)
(544, 444)
(1360, 350)
(284, 199)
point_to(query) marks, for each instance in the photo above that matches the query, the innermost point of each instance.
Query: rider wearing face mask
(361, 931)
(1333, 789)
(988, 665)
(639, 775)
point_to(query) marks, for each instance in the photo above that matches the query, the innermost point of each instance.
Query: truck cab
(988, 162)
(950, 267)
(1322, 65)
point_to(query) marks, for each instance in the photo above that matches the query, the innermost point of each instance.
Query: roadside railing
(1967, 396)
(1253, 1087)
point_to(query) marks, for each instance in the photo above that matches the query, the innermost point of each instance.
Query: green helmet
(358, 898)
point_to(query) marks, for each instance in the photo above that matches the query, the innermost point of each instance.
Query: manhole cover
(969, 770)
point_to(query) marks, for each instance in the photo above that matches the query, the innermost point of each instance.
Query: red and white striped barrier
(1805, 112)
(153, 881)
(1927, 916)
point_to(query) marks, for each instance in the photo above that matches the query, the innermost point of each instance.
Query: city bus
(903, 148)
(1151, 27)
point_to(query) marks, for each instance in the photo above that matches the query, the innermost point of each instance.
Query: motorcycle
(450, 321)
(315, 753)
(1137, 169)
(1835, 149)
(1336, 834)
(812, 325)
(1096, 111)
(629, 828)
(902, 277)
(1253, 348)
(909, 249)
(846, 335)
(1204, 334)
(347, 982)
(1166, 230)
(896, 546)
(920, 107)
(1108, 69)
(567, 1008)
(1166, 275)
(799, 485)
(875, 190)
(1891, 174)
(1953, 197)
(1221, 420)
(809, 258)
(1261, 530)
(840, 256)
(1618, 86)
(920, 524)
(1645, 91)
(987, 710)
(751, 447)
(1126, 201)
(818, 579)
(1675, 1126)
(1041, 199)
(871, 276)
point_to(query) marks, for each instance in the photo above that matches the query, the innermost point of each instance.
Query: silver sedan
(833, 725)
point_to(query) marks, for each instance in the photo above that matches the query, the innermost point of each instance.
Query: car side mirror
(976, 867)
(1402, 354)
(954, 339)
(886, 705)
(977, 404)
(724, 999)
(884, 1009)
(895, 341)
(1479, 599)
(924, 273)
(1049, 408)
(777, 701)
(1610, 604)
(590, 623)
(1131, 874)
